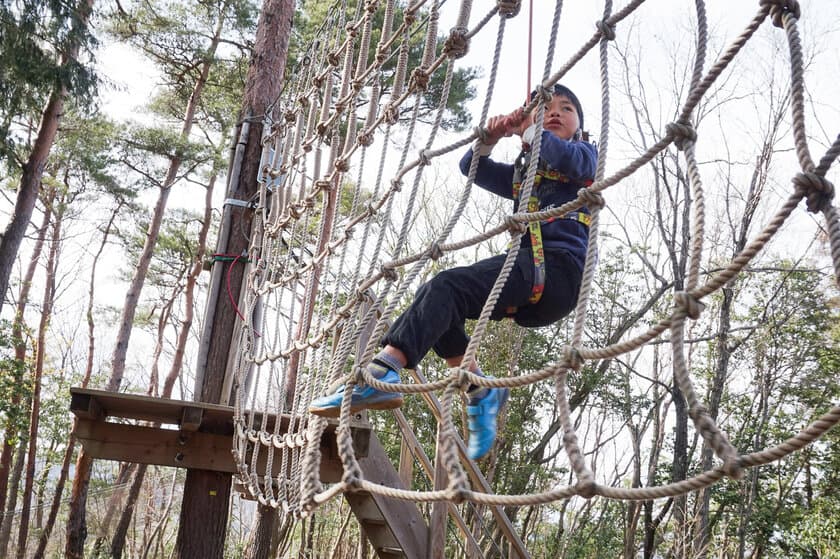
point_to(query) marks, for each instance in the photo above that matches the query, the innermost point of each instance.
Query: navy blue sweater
(575, 160)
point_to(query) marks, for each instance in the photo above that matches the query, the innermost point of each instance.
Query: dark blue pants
(435, 320)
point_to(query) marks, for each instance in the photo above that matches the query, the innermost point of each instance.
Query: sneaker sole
(390, 404)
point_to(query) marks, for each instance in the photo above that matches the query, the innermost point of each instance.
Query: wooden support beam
(191, 418)
(394, 527)
(178, 449)
(201, 441)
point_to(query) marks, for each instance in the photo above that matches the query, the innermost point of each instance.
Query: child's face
(561, 118)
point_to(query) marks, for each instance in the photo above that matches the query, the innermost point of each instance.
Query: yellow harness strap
(535, 231)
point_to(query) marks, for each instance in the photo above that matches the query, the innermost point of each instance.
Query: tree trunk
(33, 169)
(76, 521)
(679, 468)
(118, 541)
(259, 540)
(74, 546)
(12, 430)
(46, 314)
(11, 502)
(44, 538)
(207, 492)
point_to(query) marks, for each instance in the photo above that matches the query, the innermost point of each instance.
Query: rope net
(323, 287)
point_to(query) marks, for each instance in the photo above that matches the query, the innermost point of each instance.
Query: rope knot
(332, 58)
(607, 30)
(683, 133)
(692, 307)
(420, 79)
(294, 211)
(461, 379)
(326, 186)
(732, 467)
(818, 190)
(573, 358)
(290, 116)
(509, 8)
(342, 165)
(778, 9)
(389, 273)
(435, 252)
(586, 488)
(593, 200)
(303, 100)
(392, 114)
(396, 185)
(514, 226)
(457, 44)
(424, 157)
(545, 94)
(365, 138)
(482, 134)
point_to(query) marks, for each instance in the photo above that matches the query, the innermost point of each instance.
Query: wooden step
(395, 528)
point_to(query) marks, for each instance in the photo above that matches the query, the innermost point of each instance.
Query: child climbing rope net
(322, 303)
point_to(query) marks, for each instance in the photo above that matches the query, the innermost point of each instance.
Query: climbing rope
(314, 311)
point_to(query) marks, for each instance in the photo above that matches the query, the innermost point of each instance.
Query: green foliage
(14, 387)
(35, 39)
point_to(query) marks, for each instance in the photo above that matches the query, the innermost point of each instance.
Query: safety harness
(534, 227)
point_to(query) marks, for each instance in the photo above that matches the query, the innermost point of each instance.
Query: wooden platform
(179, 433)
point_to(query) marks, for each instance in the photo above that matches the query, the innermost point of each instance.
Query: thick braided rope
(810, 184)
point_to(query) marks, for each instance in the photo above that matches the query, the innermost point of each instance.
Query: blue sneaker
(481, 421)
(364, 397)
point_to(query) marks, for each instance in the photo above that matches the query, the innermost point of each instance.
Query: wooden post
(204, 509)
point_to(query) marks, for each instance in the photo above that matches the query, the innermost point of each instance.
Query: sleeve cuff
(528, 135)
(484, 149)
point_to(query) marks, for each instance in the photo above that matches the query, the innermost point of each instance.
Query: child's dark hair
(564, 91)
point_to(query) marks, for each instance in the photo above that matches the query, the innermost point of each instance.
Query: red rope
(530, 41)
(236, 258)
(229, 290)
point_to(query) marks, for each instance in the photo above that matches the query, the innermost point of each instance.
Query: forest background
(106, 287)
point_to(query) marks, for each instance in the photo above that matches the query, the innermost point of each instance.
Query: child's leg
(436, 317)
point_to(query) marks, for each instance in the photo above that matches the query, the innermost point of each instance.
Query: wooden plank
(438, 520)
(402, 518)
(146, 408)
(194, 416)
(85, 405)
(168, 447)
